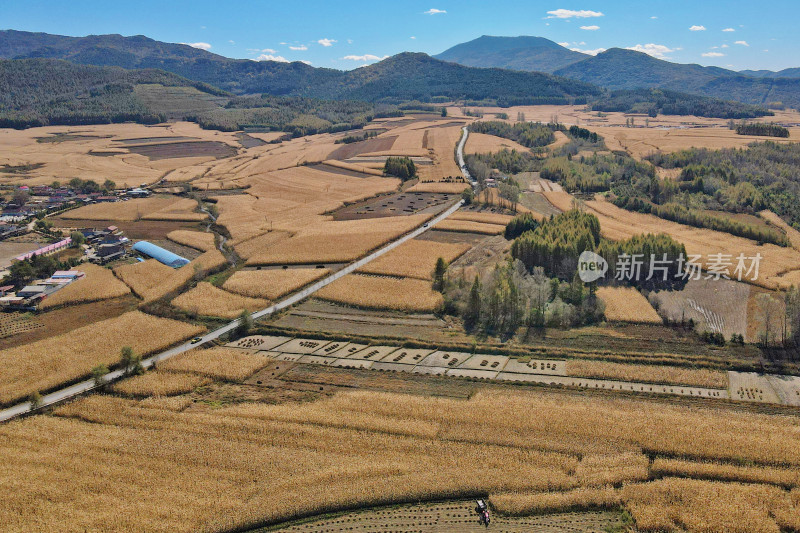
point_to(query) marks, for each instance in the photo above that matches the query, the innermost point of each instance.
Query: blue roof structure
(160, 254)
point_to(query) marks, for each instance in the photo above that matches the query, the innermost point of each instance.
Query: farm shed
(160, 254)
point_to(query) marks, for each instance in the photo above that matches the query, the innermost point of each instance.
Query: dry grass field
(469, 226)
(415, 259)
(775, 220)
(355, 168)
(220, 363)
(337, 241)
(713, 379)
(158, 383)
(155, 208)
(259, 244)
(626, 304)
(194, 239)
(99, 283)
(44, 364)
(273, 283)
(208, 300)
(374, 292)
(212, 469)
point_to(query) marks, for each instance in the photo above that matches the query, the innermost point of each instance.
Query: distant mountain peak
(524, 52)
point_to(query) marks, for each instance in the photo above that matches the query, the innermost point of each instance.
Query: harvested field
(374, 292)
(194, 239)
(99, 283)
(468, 226)
(377, 144)
(715, 305)
(713, 379)
(208, 300)
(402, 203)
(626, 304)
(481, 143)
(60, 160)
(337, 241)
(220, 363)
(215, 149)
(728, 472)
(10, 250)
(516, 446)
(353, 167)
(414, 259)
(141, 277)
(44, 364)
(12, 324)
(561, 140)
(259, 244)
(480, 216)
(155, 208)
(159, 383)
(274, 283)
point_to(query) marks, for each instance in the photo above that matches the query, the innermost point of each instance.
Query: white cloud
(697, 28)
(713, 54)
(589, 52)
(653, 17)
(301, 47)
(656, 50)
(434, 11)
(231, 41)
(327, 42)
(307, 62)
(365, 57)
(565, 45)
(725, 46)
(590, 28)
(270, 57)
(349, 41)
(412, 37)
(571, 13)
(268, 51)
(201, 46)
(729, 29)
(743, 43)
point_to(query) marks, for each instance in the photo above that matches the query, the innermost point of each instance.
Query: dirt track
(453, 516)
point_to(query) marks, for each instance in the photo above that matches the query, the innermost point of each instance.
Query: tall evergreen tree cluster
(401, 167)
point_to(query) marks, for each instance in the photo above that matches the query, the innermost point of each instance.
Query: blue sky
(734, 34)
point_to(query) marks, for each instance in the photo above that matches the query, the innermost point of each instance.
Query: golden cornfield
(336, 242)
(194, 239)
(178, 278)
(155, 208)
(479, 216)
(415, 259)
(158, 383)
(208, 300)
(701, 377)
(273, 283)
(481, 143)
(212, 469)
(230, 364)
(374, 292)
(44, 364)
(99, 283)
(626, 304)
(468, 226)
(141, 277)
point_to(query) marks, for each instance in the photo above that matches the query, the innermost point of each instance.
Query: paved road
(85, 386)
(460, 154)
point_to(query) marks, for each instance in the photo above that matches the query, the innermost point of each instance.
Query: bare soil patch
(170, 150)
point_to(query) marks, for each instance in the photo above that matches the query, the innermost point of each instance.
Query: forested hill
(402, 77)
(35, 92)
(627, 69)
(516, 53)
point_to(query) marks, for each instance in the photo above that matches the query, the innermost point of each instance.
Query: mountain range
(619, 68)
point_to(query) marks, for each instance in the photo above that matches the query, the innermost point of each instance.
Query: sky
(733, 34)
